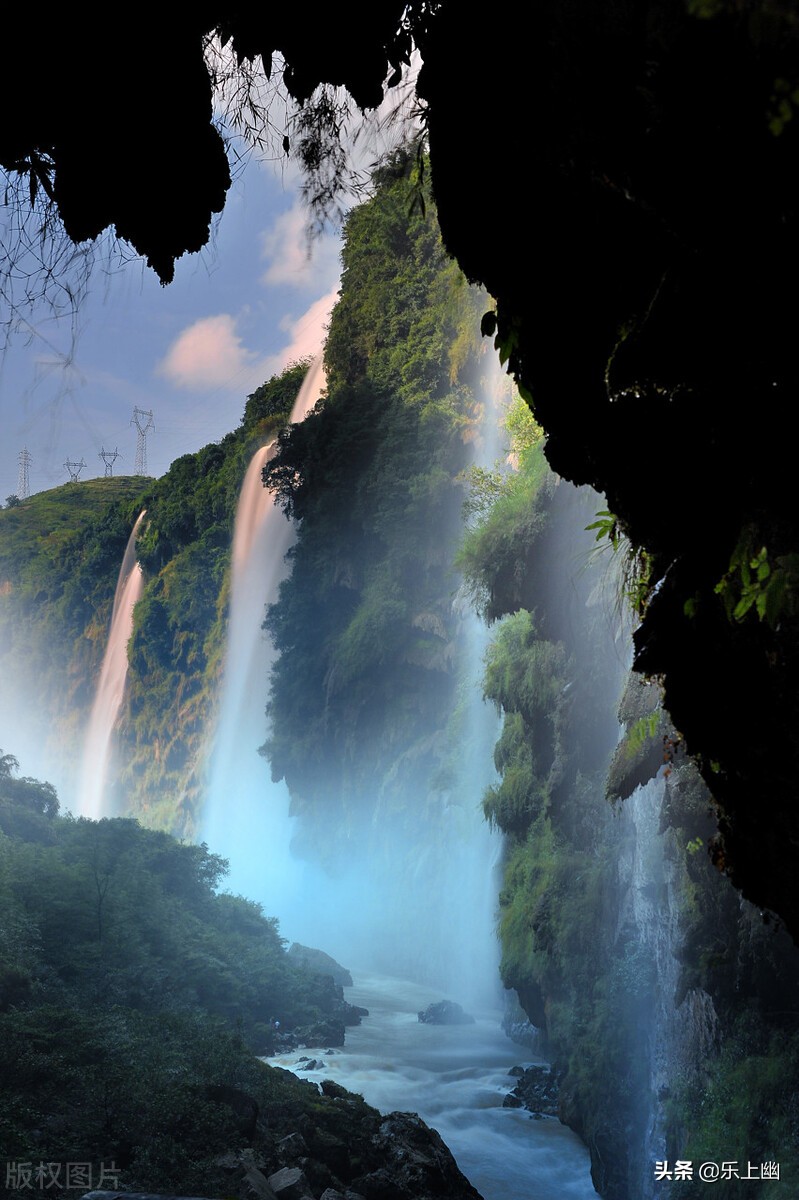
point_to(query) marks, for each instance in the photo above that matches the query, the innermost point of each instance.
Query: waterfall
(111, 687)
(246, 816)
(460, 944)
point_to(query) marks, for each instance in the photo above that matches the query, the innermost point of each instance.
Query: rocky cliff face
(636, 323)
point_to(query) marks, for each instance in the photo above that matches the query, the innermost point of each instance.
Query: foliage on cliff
(553, 673)
(365, 625)
(725, 1039)
(739, 1089)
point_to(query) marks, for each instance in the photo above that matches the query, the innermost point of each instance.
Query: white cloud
(294, 261)
(208, 354)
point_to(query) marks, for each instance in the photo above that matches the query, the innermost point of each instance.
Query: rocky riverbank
(333, 1146)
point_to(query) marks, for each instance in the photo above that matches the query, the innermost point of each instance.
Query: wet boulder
(536, 1090)
(446, 1012)
(310, 1064)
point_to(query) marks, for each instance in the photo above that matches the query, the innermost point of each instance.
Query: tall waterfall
(246, 816)
(111, 686)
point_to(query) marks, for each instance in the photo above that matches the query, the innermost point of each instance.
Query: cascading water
(455, 1077)
(111, 686)
(246, 816)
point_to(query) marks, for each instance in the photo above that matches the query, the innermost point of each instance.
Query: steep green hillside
(176, 652)
(372, 713)
(35, 532)
(60, 554)
(366, 626)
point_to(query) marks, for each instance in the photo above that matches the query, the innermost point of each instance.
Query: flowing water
(111, 685)
(456, 1078)
(246, 817)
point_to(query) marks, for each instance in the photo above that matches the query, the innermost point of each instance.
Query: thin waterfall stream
(92, 800)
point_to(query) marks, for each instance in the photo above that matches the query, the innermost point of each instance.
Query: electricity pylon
(143, 420)
(23, 478)
(109, 457)
(74, 469)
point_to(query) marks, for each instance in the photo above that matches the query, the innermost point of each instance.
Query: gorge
(666, 1005)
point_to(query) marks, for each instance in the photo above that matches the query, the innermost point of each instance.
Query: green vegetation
(748, 1104)
(756, 584)
(365, 627)
(106, 910)
(60, 553)
(497, 558)
(130, 989)
(550, 671)
(743, 1096)
(181, 621)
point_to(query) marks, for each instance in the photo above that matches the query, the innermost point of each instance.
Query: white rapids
(456, 1078)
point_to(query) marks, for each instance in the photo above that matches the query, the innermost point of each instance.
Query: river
(455, 1077)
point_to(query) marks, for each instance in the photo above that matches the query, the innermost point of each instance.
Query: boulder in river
(446, 1012)
(350, 1014)
(310, 1064)
(536, 1090)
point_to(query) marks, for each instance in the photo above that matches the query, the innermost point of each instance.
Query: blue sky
(235, 314)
